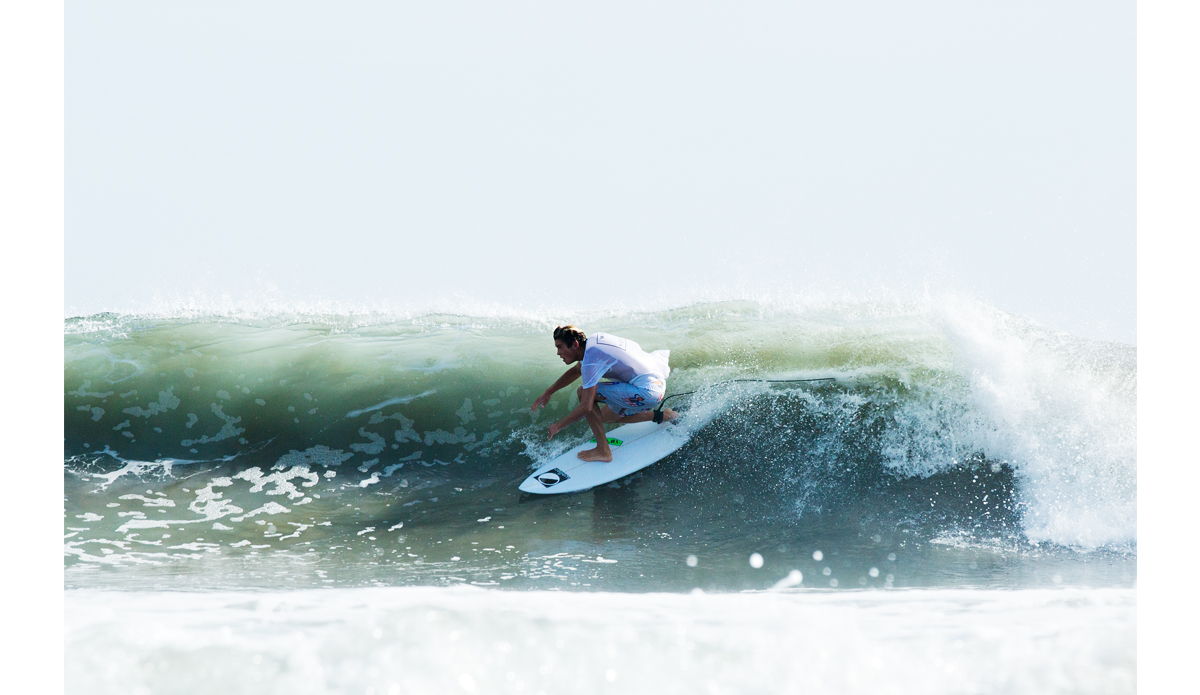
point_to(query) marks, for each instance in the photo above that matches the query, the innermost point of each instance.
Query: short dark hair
(570, 335)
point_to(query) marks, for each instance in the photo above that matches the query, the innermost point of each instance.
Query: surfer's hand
(541, 401)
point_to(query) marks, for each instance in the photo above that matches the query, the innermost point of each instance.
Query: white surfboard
(634, 447)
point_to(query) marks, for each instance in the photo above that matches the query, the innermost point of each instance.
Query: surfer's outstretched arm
(589, 408)
(587, 402)
(563, 381)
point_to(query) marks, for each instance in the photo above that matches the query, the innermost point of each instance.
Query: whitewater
(318, 501)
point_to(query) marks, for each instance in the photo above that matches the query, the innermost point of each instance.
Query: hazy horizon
(536, 154)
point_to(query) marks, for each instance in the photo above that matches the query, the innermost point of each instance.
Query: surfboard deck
(634, 447)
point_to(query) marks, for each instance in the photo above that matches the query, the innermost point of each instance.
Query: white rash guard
(611, 357)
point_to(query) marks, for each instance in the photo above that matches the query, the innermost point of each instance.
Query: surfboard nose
(531, 485)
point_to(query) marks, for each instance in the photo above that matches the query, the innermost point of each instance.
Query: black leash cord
(663, 402)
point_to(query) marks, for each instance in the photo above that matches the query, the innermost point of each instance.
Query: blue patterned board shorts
(637, 396)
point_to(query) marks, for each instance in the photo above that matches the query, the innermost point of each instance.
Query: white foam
(433, 640)
(271, 508)
(399, 400)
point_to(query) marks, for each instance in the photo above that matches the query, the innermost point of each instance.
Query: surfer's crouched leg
(602, 452)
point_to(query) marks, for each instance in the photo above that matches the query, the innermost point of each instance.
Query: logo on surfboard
(551, 478)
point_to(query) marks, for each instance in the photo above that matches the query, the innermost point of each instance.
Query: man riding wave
(637, 383)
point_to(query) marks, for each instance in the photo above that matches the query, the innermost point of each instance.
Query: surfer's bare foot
(669, 415)
(595, 455)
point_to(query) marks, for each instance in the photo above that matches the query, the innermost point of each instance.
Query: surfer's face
(568, 353)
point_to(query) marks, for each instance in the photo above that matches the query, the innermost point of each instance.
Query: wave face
(948, 422)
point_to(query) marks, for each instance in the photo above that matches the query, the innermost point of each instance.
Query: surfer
(638, 382)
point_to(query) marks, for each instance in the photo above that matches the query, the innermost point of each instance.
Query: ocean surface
(317, 503)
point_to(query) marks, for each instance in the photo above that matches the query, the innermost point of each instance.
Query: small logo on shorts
(552, 478)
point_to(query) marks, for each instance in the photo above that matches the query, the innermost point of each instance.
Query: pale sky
(377, 154)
